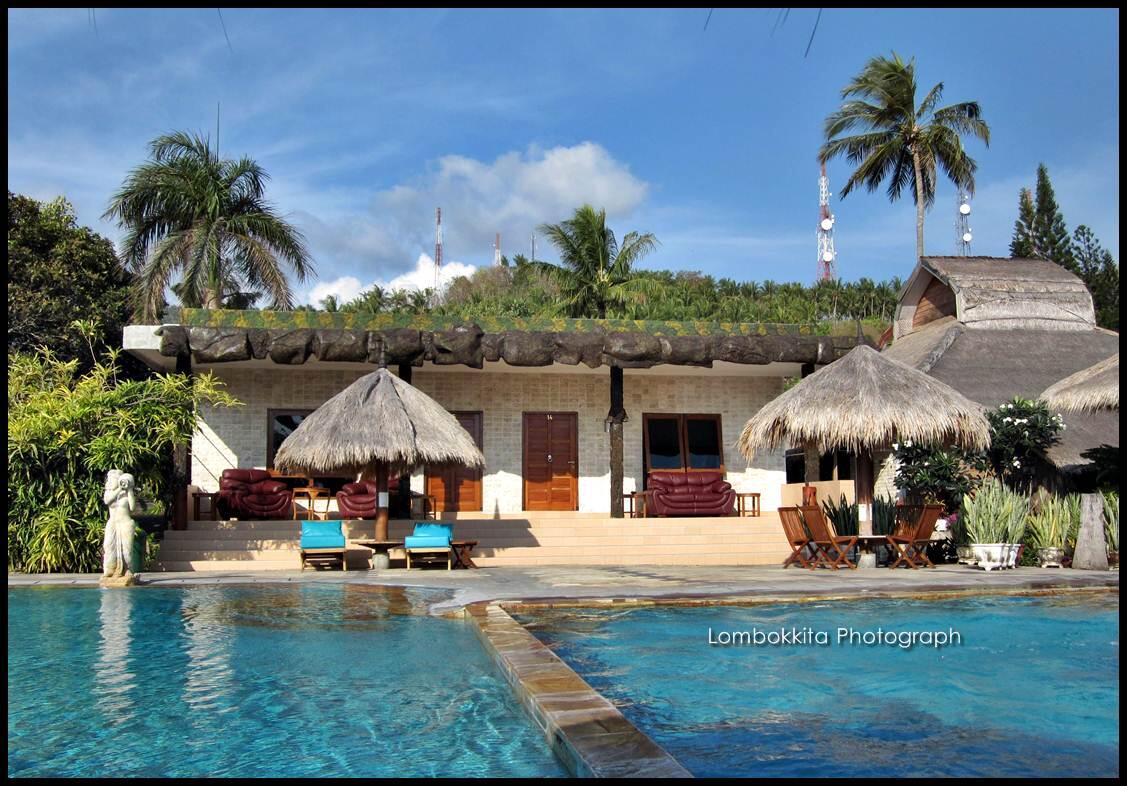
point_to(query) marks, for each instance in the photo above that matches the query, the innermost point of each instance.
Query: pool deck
(556, 585)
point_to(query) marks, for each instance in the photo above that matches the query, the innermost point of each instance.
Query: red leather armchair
(358, 500)
(689, 494)
(253, 494)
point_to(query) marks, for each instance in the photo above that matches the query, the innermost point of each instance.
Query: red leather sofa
(358, 500)
(689, 494)
(253, 494)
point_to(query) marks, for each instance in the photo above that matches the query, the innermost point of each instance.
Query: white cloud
(347, 288)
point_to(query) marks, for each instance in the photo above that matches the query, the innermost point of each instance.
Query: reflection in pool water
(279, 681)
(1033, 690)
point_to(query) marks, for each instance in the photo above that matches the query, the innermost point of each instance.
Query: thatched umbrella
(378, 425)
(1090, 390)
(861, 402)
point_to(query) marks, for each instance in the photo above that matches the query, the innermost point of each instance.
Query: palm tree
(187, 211)
(597, 274)
(900, 142)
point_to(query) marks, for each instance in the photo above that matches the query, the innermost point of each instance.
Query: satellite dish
(827, 224)
(827, 257)
(964, 209)
(967, 237)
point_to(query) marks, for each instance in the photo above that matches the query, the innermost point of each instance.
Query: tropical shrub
(1052, 523)
(844, 516)
(937, 475)
(1111, 520)
(1020, 433)
(884, 516)
(995, 514)
(66, 430)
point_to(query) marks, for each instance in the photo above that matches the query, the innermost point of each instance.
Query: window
(281, 423)
(682, 442)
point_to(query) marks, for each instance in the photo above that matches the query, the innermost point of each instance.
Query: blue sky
(369, 119)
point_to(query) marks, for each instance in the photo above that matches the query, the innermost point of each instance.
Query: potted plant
(993, 516)
(1048, 530)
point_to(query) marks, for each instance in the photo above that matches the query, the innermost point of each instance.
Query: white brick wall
(237, 437)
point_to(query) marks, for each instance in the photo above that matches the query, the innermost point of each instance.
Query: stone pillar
(615, 418)
(1091, 545)
(182, 462)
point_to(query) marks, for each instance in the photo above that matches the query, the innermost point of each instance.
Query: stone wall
(237, 438)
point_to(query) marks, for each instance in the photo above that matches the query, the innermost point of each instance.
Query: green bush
(843, 515)
(1111, 519)
(994, 514)
(1020, 433)
(65, 431)
(931, 475)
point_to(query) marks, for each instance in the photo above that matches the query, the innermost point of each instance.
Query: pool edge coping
(583, 728)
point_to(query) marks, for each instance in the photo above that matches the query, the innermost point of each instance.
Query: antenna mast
(497, 251)
(437, 249)
(826, 253)
(963, 234)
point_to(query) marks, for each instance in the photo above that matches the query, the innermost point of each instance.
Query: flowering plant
(1020, 432)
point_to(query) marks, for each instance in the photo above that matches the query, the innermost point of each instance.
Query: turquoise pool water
(1033, 689)
(255, 681)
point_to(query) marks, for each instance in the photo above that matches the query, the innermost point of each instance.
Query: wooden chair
(798, 539)
(910, 542)
(833, 550)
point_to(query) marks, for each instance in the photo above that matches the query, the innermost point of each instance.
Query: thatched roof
(864, 401)
(992, 366)
(1089, 390)
(995, 292)
(378, 419)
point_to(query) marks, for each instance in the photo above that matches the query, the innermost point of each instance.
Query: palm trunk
(211, 299)
(919, 205)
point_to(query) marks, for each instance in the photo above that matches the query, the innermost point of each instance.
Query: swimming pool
(1032, 690)
(313, 681)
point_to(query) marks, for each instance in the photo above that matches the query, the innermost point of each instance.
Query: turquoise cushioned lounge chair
(322, 540)
(429, 537)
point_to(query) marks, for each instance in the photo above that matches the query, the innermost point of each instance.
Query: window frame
(271, 448)
(683, 440)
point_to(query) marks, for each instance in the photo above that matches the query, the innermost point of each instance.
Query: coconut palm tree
(899, 141)
(188, 211)
(596, 274)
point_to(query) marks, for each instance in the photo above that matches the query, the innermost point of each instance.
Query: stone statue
(118, 543)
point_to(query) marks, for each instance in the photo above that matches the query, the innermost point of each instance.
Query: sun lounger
(911, 541)
(833, 550)
(432, 538)
(322, 540)
(798, 539)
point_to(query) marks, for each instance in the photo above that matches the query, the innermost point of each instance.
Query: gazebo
(1092, 389)
(377, 426)
(866, 401)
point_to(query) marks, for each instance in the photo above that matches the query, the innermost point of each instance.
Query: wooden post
(615, 419)
(182, 463)
(810, 453)
(381, 502)
(403, 498)
(863, 484)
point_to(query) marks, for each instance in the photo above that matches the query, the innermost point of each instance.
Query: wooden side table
(212, 497)
(747, 503)
(637, 507)
(311, 494)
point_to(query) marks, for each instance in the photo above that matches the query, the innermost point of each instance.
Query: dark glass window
(702, 437)
(664, 443)
(282, 423)
(683, 442)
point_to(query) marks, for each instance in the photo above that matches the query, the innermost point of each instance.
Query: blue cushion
(429, 535)
(322, 534)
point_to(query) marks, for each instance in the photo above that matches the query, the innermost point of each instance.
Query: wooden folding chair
(798, 539)
(910, 542)
(833, 550)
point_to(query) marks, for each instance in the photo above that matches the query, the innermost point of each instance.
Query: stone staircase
(532, 539)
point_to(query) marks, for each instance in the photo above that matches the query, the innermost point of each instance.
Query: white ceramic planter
(990, 555)
(1011, 554)
(965, 554)
(1050, 557)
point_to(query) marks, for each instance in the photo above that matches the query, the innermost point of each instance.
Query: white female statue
(118, 543)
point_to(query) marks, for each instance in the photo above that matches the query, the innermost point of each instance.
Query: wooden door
(458, 488)
(551, 461)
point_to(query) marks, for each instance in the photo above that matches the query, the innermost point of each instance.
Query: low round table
(868, 545)
(380, 549)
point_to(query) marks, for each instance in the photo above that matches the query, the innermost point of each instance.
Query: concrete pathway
(637, 583)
